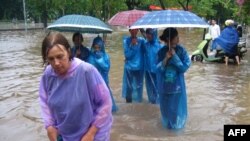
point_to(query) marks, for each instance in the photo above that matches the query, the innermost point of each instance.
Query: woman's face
(174, 42)
(58, 58)
(149, 37)
(77, 40)
(96, 47)
(133, 32)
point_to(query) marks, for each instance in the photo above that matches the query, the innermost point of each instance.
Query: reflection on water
(217, 94)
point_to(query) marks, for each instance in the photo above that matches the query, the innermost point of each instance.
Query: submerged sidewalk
(8, 26)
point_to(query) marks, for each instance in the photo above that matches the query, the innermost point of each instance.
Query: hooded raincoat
(132, 87)
(171, 86)
(100, 59)
(150, 62)
(76, 101)
(228, 40)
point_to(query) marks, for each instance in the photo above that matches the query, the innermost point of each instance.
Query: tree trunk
(185, 7)
(129, 4)
(132, 4)
(45, 16)
(162, 4)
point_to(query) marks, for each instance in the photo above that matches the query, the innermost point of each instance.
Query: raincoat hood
(153, 33)
(98, 41)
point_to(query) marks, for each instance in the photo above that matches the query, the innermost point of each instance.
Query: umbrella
(126, 18)
(80, 23)
(170, 18)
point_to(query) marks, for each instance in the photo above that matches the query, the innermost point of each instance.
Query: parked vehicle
(202, 51)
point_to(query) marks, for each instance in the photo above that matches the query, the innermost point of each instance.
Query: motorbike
(201, 54)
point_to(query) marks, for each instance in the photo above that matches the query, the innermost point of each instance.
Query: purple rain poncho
(171, 87)
(76, 101)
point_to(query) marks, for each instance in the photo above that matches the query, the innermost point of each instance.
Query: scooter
(201, 53)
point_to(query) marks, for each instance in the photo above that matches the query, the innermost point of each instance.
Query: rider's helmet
(229, 22)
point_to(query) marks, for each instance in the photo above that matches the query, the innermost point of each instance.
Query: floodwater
(217, 94)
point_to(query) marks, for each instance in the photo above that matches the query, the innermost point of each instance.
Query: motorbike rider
(227, 41)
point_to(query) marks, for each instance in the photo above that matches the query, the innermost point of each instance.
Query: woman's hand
(78, 52)
(90, 135)
(52, 133)
(169, 54)
(98, 54)
(134, 41)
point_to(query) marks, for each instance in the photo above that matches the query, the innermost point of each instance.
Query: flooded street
(217, 94)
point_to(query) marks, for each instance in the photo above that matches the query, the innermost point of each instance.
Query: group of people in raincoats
(163, 67)
(140, 61)
(69, 82)
(227, 41)
(146, 58)
(95, 56)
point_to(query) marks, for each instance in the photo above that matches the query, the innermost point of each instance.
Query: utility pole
(24, 14)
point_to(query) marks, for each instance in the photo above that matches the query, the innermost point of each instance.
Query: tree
(162, 4)
(133, 4)
(243, 12)
(184, 6)
(43, 10)
(11, 9)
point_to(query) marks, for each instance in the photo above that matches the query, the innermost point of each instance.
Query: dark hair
(149, 31)
(50, 41)
(169, 34)
(77, 34)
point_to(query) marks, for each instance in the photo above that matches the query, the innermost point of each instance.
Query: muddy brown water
(217, 94)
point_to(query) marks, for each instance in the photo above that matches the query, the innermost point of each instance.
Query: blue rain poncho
(150, 62)
(228, 40)
(171, 86)
(84, 55)
(100, 59)
(132, 87)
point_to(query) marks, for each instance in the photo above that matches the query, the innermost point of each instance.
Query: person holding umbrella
(100, 59)
(152, 46)
(173, 62)
(133, 67)
(74, 99)
(78, 49)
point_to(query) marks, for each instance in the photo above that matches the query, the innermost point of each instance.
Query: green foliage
(244, 13)
(104, 9)
(11, 9)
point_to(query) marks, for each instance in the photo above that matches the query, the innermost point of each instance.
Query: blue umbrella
(169, 18)
(80, 23)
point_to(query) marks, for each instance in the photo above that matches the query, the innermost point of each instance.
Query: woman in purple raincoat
(75, 101)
